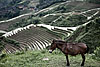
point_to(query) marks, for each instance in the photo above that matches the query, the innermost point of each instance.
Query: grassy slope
(35, 59)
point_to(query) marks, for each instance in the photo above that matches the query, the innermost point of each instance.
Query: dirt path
(1, 31)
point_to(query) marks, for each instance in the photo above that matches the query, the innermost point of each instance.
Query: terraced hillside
(12, 8)
(37, 36)
(7, 23)
(33, 38)
(70, 6)
(55, 16)
(56, 11)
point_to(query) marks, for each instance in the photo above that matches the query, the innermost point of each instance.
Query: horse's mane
(60, 41)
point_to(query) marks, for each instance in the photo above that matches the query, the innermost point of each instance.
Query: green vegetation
(8, 9)
(71, 21)
(77, 6)
(1, 43)
(88, 34)
(24, 22)
(94, 1)
(12, 8)
(65, 21)
(48, 20)
(36, 59)
(1, 46)
(45, 3)
(97, 54)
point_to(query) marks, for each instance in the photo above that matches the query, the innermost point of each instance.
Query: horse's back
(82, 45)
(77, 45)
(76, 48)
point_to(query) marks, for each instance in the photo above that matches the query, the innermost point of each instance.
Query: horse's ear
(53, 40)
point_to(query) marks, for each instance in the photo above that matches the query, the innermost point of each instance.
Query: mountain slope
(88, 34)
(66, 14)
(60, 17)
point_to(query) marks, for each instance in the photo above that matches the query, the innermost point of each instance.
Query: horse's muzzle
(50, 51)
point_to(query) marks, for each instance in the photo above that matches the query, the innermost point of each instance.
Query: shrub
(72, 21)
(94, 1)
(2, 56)
(19, 52)
(97, 53)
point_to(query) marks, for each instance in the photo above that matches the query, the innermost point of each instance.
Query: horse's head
(52, 47)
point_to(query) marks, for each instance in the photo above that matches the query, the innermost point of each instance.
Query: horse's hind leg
(67, 60)
(83, 57)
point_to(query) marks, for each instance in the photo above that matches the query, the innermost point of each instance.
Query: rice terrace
(49, 33)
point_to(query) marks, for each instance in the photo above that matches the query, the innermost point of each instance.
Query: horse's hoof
(68, 65)
(82, 65)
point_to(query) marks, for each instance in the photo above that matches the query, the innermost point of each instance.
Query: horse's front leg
(83, 57)
(67, 60)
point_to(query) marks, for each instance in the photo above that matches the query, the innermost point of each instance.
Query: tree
(46, 3)
(94, 1)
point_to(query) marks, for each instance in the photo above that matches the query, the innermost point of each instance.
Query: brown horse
(70, 49)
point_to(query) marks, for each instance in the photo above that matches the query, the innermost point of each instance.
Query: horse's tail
(87, 50)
